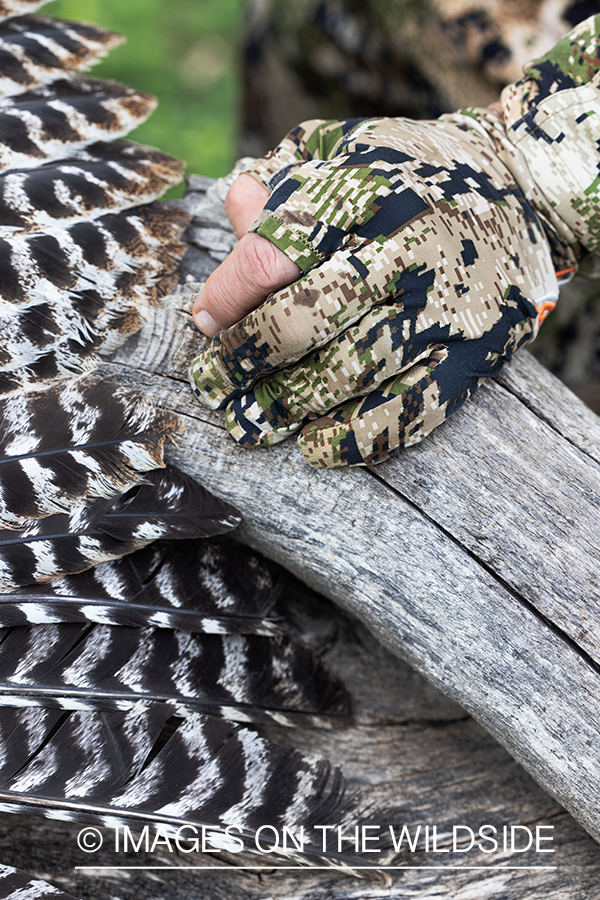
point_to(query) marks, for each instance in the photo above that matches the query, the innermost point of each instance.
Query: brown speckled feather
(56, 121)
(35, 50)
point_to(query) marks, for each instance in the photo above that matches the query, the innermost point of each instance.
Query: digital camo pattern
(552, 115)
(426, 268)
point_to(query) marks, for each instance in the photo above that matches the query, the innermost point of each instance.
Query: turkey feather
(167, 504)
(17, 885)
(102, 178)
(189, 585)
(104, 694)
(132, 769)
(57, 120)
(35, 50)
(70, 293)
(246, 678)
(10, 8)
(75, 441)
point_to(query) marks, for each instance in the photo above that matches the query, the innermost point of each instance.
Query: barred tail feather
(164, 504)
(244, 678)
(35, 50)
(10, 8)
(189, 585)
(141, 767)
(56, 121)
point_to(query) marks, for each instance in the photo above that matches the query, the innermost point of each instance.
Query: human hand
(424, 268)
(254, 269)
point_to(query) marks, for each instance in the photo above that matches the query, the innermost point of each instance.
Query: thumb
(253, 270)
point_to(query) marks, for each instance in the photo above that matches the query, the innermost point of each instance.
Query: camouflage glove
(430, 254)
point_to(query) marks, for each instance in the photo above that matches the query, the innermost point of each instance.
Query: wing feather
(140, 767)
(17, 885)
(35, 50)
(193, 585)
(55, 121)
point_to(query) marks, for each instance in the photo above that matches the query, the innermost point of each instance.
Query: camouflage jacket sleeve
(317, 139)
(430, 253)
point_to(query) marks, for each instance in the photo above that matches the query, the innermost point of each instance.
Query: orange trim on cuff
(545, 309)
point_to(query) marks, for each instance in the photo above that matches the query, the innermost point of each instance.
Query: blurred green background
(183, 52)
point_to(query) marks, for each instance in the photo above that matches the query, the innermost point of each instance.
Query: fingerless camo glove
(430, 252)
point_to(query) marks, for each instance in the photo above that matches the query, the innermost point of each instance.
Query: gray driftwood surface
(473, 556)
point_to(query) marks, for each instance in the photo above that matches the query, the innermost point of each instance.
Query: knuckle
(259, 261)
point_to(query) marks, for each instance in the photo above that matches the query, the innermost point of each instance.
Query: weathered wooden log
(474, 556)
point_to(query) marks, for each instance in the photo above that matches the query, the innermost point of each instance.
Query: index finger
(254, 268)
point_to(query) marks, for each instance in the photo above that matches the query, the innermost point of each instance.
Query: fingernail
(205, 323)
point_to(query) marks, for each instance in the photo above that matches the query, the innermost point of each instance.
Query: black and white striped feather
(67, 294)
(142, 768)
(73, 442)
(10, 8)
(247, 678)
(189, 585)
(17, 885)
(35, 50)
(163, 504)
(56, 121)
(78, 440)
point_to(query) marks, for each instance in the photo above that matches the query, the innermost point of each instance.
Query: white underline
(349, 867)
